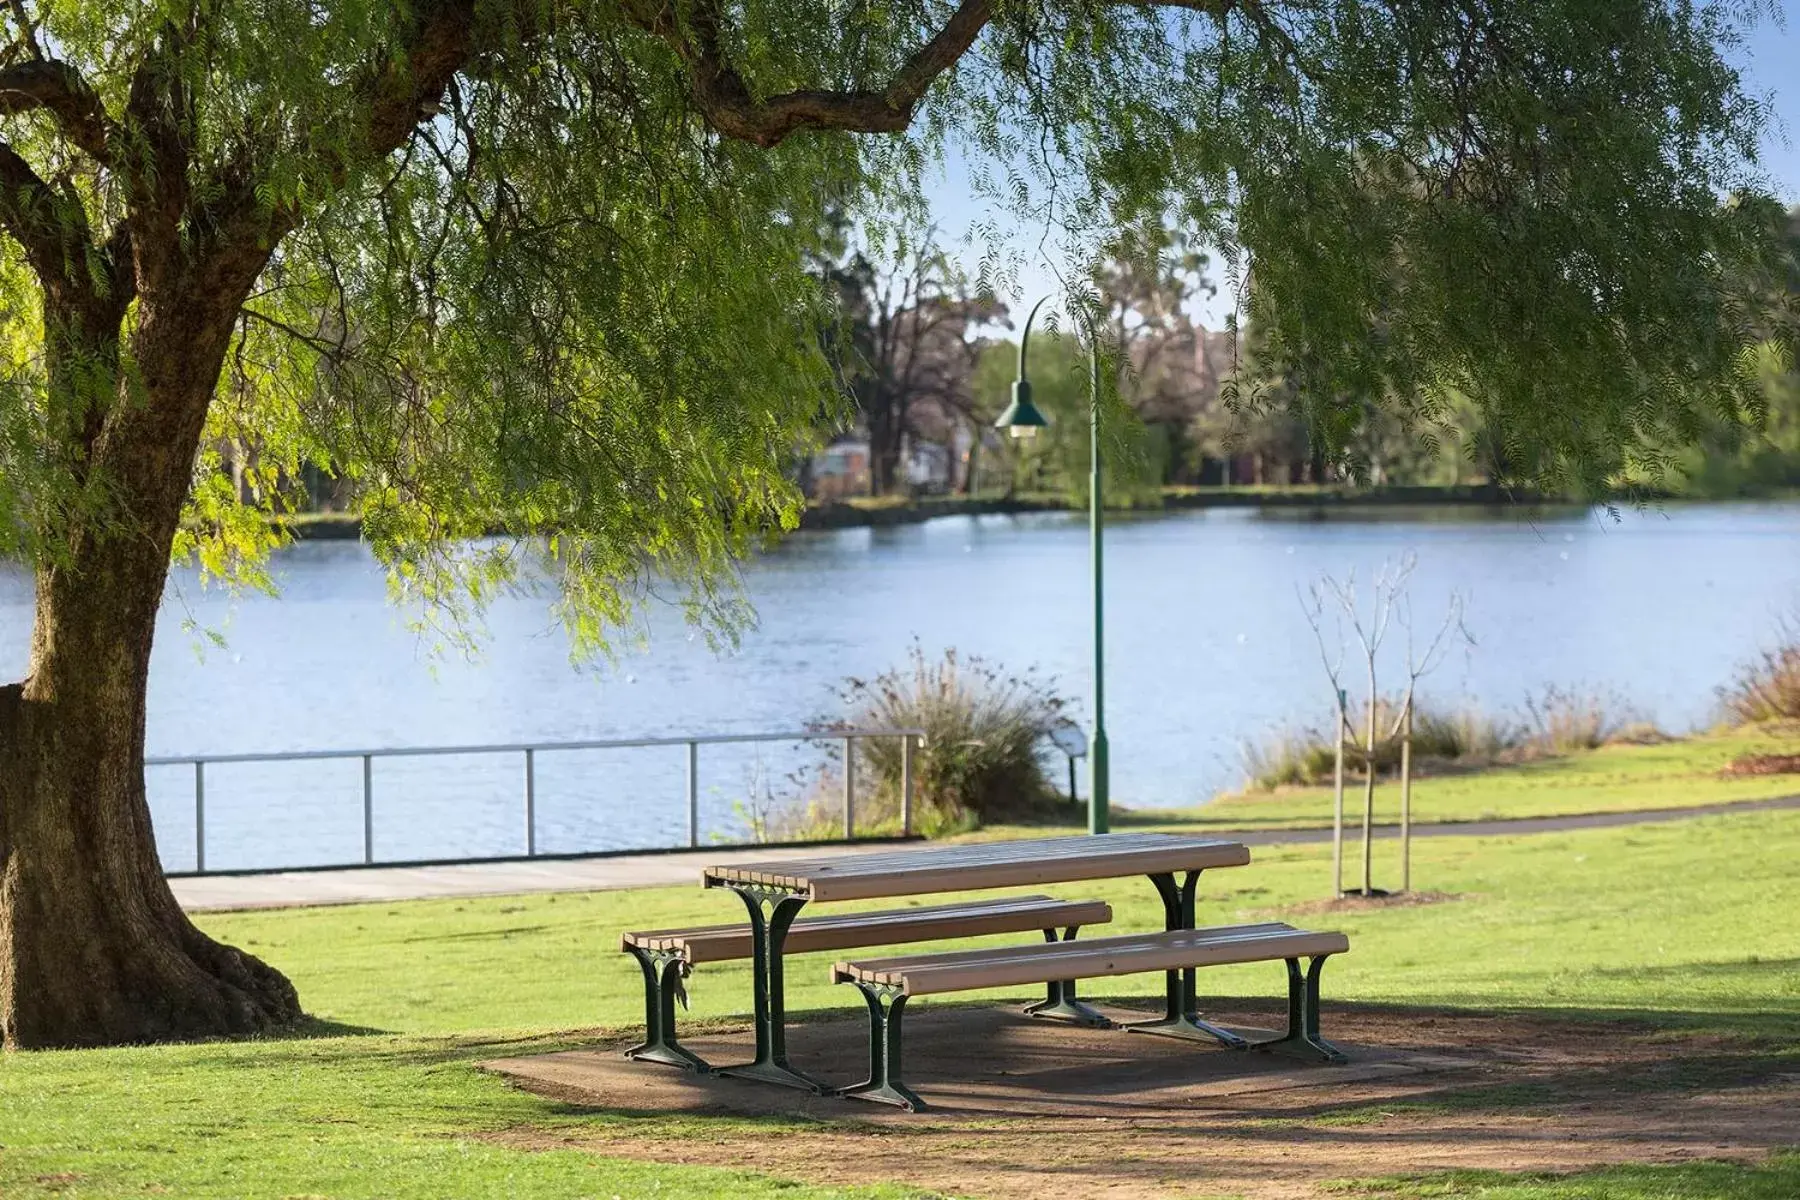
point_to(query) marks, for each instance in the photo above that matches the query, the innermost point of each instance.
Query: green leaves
(1516, 203)
(568, 307)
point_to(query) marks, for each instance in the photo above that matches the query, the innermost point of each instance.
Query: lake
(1207, 648)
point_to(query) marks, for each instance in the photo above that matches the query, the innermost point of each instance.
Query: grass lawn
(1679, 774)
(1687, 924)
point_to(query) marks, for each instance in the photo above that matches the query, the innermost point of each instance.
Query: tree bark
(885, 427)
(94, 949)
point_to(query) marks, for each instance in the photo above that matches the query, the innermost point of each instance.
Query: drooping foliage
(566, 303)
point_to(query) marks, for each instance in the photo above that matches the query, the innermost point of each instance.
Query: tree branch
(405, 91)
(28, 38)
(59, 89)
(725, 98)
(410, 90)
(30, 211)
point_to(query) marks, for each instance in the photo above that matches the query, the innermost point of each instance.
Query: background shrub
(986, 755)
(1563, 722)
(1557, 721)
(1767, 688)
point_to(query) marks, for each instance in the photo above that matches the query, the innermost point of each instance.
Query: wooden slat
(1021, 863)
(840, 931)
(1131, 954)
(897, 964)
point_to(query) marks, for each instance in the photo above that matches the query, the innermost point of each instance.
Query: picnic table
(775, 891)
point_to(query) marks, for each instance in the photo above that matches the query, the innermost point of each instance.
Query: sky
(1771, 69)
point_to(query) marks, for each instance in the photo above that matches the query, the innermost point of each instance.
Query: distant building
(841, 470)
(927, 468)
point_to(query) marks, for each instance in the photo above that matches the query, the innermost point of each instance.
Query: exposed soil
(1764, 764)
(1021, 1109)
(1357, 903)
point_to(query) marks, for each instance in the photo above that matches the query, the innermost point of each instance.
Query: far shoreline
(867, 513)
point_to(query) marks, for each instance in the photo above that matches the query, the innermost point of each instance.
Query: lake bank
(877, 512)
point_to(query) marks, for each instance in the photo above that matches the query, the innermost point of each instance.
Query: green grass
(1678, 774)
(1687, 925)
(1655, 918)
(1777, 1179)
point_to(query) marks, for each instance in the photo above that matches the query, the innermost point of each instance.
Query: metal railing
(529, 752)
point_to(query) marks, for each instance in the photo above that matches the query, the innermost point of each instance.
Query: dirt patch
(1022, 1109)
(1368, 903)
(1763, 764)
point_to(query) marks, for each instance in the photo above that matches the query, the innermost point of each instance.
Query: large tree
(542, 263)
(910, 332)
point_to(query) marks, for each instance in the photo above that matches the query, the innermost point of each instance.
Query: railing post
(849, 788)
(693, 794)
(199, 817)
(906, 786)
(368, 808)
(530, 803)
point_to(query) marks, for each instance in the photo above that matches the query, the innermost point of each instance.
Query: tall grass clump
(985, 755)
(1300, 756)
(1767, 688)
(1289, 757)
(1569, 721)
(1445, 738)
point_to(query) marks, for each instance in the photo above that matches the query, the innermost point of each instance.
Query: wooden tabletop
(976, 865)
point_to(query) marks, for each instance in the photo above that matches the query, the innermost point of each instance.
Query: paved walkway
(366, 884)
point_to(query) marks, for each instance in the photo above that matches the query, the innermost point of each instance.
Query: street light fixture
(1022, 419)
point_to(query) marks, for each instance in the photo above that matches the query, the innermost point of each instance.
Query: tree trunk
(884, 462)
(94, 949)
(972, 465)
(886, 425)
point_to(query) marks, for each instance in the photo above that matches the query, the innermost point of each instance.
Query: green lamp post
(1023, 419)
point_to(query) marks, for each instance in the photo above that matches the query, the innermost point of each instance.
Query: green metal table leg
(767, 936)
(1059, 1003)
(1180, 1018)
(1302, 1039)
(662, 984)
(886, 1005)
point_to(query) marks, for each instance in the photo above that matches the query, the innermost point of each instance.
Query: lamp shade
(1021, 418)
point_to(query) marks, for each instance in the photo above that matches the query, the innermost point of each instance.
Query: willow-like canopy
(541, 264)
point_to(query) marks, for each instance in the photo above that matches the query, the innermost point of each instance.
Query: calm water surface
(1207, 647)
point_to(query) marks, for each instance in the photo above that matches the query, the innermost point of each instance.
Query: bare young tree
(1340, 604)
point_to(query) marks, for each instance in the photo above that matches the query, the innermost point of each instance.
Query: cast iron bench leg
(767, 936)
(662, 983)
(1059, 1003)
(886, 1005)
(1303, 1038)
(1180, 1018)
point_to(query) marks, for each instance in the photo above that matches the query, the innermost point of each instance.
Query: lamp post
(1023, 419)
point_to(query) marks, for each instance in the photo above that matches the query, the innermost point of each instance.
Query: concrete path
(289, 889)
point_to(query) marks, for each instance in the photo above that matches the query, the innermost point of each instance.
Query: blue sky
(1771, 66)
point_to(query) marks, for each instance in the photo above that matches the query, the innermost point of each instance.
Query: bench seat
(887, 983)
(1129, 954)
(667, 955)
(843, 931)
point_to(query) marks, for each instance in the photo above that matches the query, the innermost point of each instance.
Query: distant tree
(1057, 459)
(1731, 459)
(912, 338)
(544, 265)
(1148, 289)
